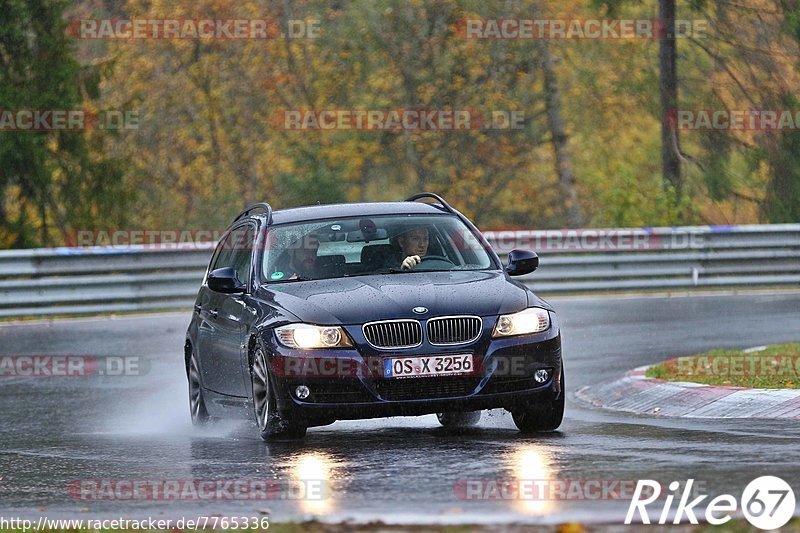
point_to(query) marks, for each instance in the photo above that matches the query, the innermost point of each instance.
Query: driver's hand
(410, 262)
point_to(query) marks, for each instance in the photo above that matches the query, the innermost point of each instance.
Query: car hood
(360, 299)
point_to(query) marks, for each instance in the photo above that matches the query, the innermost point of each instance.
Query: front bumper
(343, 386)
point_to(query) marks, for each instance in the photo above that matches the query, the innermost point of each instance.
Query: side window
(242, 254)
(236, 251)
(222, 256)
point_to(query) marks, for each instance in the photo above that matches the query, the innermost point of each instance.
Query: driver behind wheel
(413, 245)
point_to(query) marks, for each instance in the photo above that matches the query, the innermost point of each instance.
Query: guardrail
(106, 279)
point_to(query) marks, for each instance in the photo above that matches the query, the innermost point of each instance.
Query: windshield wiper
(298, 278)
(410, 270)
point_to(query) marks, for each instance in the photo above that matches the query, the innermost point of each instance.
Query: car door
(221, 331)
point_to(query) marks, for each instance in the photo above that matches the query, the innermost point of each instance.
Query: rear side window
(236, 251)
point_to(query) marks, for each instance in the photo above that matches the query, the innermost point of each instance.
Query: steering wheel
(440, 258)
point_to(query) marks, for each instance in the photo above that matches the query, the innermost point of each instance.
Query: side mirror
(521, 262)
(225, 280)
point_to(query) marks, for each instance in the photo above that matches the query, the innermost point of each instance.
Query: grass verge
(766, 367)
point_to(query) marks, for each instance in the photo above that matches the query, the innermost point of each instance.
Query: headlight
(531, 320)
(309, 336)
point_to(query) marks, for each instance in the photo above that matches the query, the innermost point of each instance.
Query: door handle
(214, 313)
(197, 308)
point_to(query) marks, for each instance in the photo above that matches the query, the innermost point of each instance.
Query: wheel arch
(252, 341)
(187, 354)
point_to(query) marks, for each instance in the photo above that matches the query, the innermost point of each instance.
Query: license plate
(433, 365)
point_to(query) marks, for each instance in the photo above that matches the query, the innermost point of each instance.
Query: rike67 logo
(767, 503)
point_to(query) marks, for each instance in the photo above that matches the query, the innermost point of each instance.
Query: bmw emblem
(420, 310)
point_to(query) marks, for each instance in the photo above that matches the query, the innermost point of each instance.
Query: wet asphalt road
(56, 431)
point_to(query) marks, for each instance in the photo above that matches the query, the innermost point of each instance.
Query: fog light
(541, 375)
(302, 392)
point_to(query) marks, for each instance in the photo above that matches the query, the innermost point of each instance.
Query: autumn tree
(51, 182)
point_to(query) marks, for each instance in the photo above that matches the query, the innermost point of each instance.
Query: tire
(542, 416)
(197, 404)
(458, 419)
(271, 426)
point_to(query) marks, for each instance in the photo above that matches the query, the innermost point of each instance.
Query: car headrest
(330, 260)
(376, 253)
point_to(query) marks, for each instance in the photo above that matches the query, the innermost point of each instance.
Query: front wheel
(456, 419)
(543, 415)
(197, 404)
(271, 425)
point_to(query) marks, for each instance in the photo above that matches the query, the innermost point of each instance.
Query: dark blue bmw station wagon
(316, 314)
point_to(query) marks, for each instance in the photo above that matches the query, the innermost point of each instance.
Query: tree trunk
(555, 124)
(670, 162)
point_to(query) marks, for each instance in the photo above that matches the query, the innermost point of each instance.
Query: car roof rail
(444, 204)
(263, 205)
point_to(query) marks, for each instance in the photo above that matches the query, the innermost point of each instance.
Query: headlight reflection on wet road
(312, 472)
(532, 470)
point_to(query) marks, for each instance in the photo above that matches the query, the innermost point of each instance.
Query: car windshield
(334, 248)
